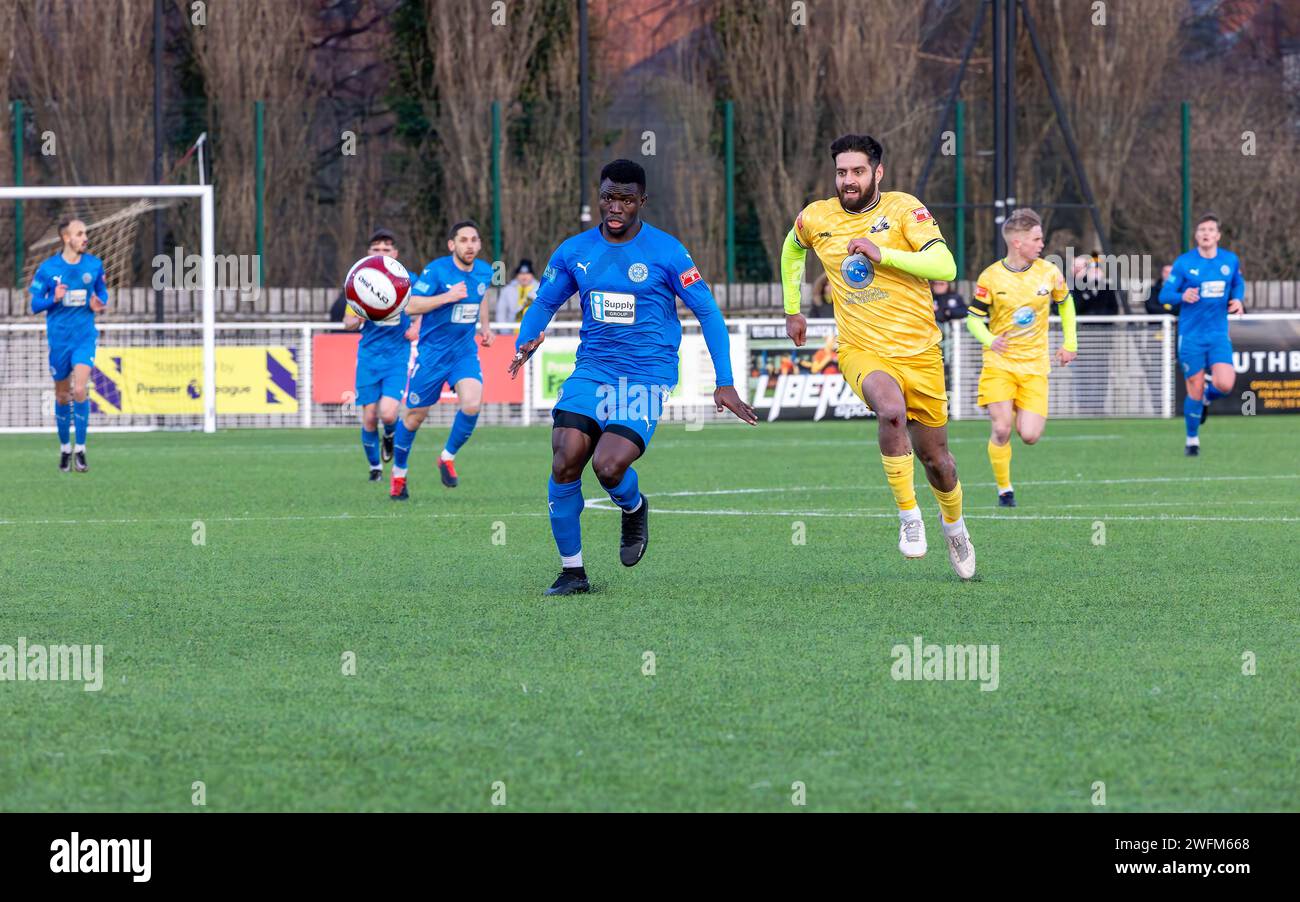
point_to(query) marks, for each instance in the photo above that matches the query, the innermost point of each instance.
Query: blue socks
(63, 419)
(81, 419)
(1192, 415)
(1212, 394)
(566, 509)
(626, 494)
(402, 440)
(389, 427)
(461, 427)
(370, 443)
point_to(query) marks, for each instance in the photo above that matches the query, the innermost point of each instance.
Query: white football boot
(911, 534)
(961, 553)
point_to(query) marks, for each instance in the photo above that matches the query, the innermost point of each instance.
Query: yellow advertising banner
(254, 379)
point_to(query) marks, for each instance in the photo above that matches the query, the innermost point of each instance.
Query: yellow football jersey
(1018, 305)
(877, 308)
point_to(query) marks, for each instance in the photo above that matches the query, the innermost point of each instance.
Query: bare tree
(1110, 63)
(88, 89)
(480, 54)
(875, 82)
(260, 51)
(697, 170)
(774, 71)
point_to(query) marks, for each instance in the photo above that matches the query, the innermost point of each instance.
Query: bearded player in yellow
(1016, 294)
(880, 249)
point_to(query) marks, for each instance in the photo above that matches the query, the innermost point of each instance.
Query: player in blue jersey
(69, 288)
(628, 276)
(383, 355)
(1206, 285)
(451, 295)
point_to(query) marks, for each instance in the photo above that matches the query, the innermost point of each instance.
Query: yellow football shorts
(920, 377)
(1028, 392)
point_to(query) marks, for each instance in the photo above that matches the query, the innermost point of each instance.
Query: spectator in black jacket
(1093, 297)
(948, 304)
(1152, 303)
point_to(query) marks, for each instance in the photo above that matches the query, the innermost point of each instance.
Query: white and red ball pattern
(377, 287)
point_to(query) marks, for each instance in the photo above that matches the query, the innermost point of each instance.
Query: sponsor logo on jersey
(857, 271)
(921, 214)
(1024, 316)
(637, 272)
(464, 313)
(981, 292)
(690, 277)
(549, 274)
(613, 307)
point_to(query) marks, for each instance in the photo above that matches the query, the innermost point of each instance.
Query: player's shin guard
(1192, 415)
(1000, 458)
(402, 441)
(370, 443)
(627, 494)
(949, 503)
(565, 502)
(63, 420)
(898, 470)
(461, 428)
(81, 419)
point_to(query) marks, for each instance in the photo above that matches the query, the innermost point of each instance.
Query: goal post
(207, 253)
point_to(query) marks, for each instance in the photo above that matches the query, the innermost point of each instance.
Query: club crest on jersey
(637, 272)
(1044, 290)
(413, 399)
(85, 276)
(482, 289)
(881, 225)
(857, 271)
(1024, 316)
(1224, 269)
(921, 214)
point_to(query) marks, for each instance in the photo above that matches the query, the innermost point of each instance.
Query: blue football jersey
(1217, 278)
(447, 333)
(629, 293)
(384, 339)
(71, 320)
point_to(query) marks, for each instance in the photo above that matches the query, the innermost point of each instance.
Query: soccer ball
(377, 287)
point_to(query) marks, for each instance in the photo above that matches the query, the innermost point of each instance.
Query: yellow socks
(949, 503)
(898, 470)
(1000, 457)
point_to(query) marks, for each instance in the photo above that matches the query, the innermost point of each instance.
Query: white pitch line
(277, 518)
(875, 486)
(600, 504)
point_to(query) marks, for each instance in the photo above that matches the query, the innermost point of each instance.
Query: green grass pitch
(1119, 662)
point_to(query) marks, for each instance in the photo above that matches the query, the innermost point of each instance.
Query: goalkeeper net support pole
(207, 250)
